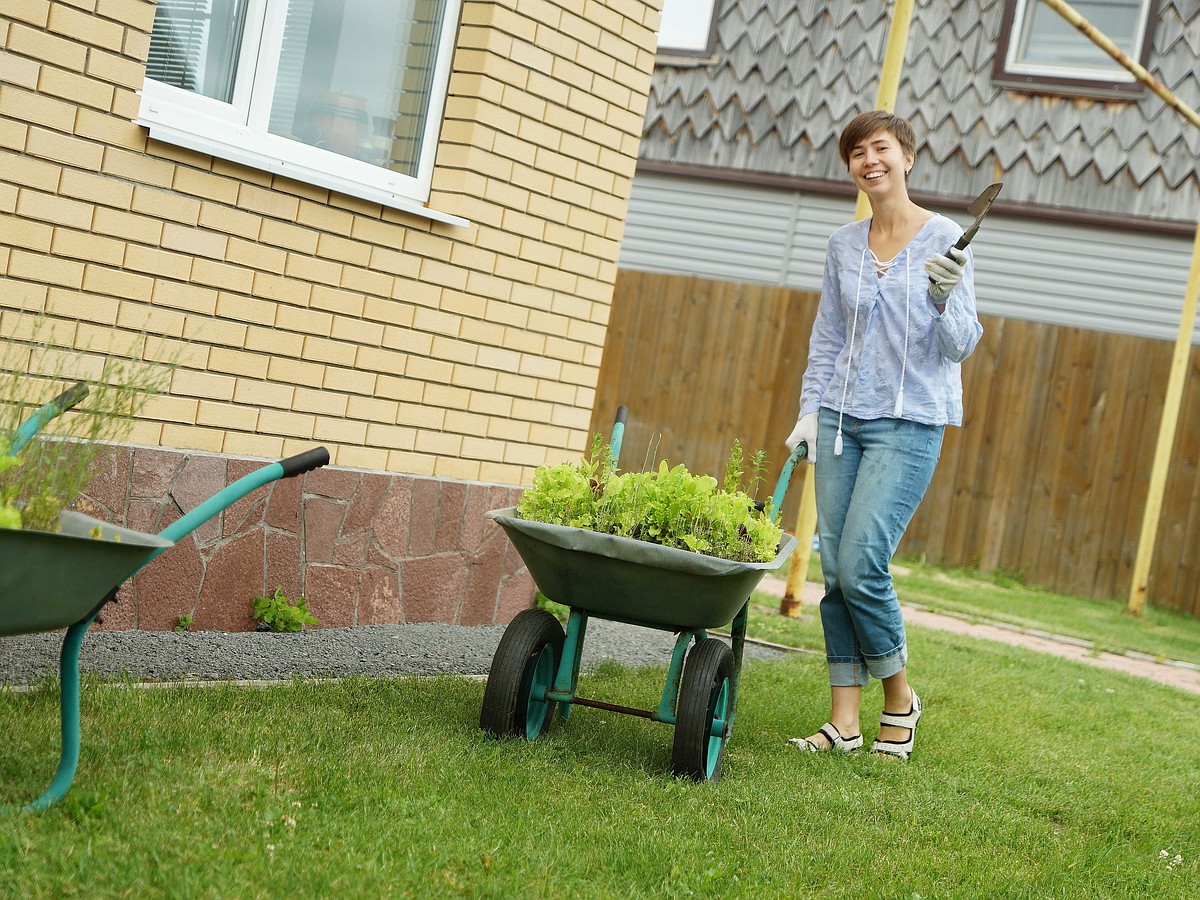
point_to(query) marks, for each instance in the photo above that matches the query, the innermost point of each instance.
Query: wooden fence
(1047, 478)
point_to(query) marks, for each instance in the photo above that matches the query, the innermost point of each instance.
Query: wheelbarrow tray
(634, 580)
(50, 581)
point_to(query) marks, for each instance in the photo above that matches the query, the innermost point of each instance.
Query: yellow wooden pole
(1166, 437)
(806, 527)
(806, 521)
(1161, 467)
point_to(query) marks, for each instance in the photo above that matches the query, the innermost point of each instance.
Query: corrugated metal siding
(1106, 279)
(705, 229)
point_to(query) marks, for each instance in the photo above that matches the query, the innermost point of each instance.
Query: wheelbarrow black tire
(704, 698)
(525, 662)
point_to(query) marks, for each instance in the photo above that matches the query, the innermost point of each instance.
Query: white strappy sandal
(900, 749)
(836, 741)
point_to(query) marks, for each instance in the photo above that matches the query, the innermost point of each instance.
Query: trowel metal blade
(979, 208)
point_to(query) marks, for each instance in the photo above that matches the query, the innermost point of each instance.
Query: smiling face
(878, 163)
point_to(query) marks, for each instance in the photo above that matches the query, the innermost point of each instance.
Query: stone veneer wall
(365, 548)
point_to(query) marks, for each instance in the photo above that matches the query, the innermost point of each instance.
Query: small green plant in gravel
(668, 505)
(279, 613)
(183, 623)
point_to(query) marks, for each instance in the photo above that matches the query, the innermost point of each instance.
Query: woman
(896, 318)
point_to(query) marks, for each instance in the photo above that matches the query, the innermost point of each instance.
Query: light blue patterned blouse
(879, 348)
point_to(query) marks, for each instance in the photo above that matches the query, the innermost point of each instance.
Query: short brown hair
(866, 124)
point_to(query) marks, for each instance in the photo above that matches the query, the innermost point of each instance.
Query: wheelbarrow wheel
(523, 669)
(702, 713)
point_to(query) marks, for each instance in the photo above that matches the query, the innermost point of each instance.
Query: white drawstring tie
(898, 410)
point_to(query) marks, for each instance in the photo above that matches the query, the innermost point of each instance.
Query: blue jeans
(865, 499)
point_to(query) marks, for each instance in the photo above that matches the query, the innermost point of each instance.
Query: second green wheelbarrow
(62, 580)
(535, 671)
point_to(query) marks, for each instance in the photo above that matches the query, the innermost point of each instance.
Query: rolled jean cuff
(886, 666)
(848, 674)
(859, 672)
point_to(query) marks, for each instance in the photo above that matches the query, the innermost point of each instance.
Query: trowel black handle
(960, 244)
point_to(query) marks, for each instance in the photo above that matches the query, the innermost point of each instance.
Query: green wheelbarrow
(535, 671)
(63, 580)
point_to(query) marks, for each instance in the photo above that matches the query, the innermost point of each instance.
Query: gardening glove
(945, 271)
(805, 433)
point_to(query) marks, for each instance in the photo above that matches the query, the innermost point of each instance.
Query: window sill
(1096, 90)
(239, 152)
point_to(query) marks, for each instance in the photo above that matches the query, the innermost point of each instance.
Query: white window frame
(1114, 73)
(237, 131)
(687, 27)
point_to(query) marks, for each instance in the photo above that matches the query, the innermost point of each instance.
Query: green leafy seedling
(668, 505)
(278, 613)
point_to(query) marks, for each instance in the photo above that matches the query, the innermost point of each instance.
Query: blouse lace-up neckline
(881, 269)
(882, 265)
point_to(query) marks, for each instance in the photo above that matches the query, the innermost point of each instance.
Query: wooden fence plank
(974, 448)
(1004, 467)
(1085, 410)
(1182, 518)
(1071, 408)
(1043, 434)
(1146, 382)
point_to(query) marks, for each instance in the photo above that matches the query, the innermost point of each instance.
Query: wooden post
(806, 521)
(806, 527)
(1140, 588)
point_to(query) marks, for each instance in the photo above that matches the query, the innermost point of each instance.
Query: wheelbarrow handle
(304, 462)
(43, 414)
(618, 434)
(70, 397)
(785, 478)
(219, 502)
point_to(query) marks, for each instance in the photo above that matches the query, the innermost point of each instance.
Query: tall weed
(45, 476)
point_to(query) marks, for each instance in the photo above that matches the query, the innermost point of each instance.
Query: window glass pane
(1047, 39)
(355, 77)
(195, 45)
(685, 24)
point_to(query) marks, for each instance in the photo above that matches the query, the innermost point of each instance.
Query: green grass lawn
(1033, 777)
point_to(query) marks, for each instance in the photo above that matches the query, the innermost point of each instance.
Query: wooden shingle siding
(786, 75)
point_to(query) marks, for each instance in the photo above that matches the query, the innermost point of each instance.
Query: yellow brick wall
(298, 315)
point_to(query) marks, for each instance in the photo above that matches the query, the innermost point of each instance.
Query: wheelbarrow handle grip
(304, 462)
(618, 435)
(71, 397)
(43, 414)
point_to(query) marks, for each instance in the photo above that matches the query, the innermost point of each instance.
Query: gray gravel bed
(419, 649)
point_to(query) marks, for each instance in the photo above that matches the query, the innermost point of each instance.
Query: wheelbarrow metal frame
(567, 678)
